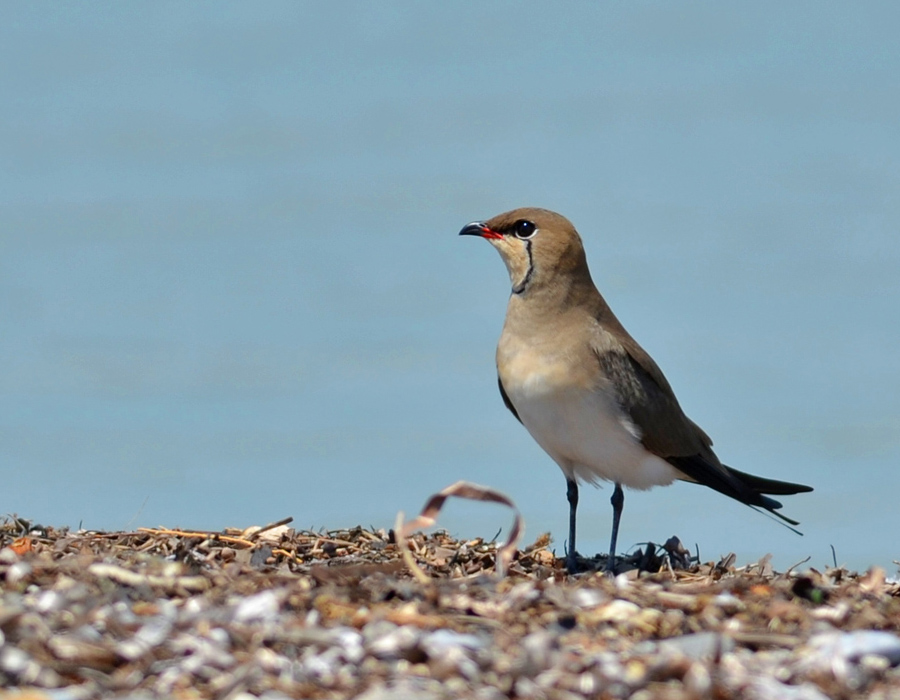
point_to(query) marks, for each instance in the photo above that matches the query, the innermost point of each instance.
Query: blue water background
(231, 288)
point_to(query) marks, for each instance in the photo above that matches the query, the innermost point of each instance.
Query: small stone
(259, 607)
(699, 645)
(616, 611)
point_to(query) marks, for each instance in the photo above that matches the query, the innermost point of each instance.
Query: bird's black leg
(572, 496)
(618, 500)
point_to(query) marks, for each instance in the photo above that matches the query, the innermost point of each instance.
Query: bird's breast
(530, 376)
(538, 366)
(573, 414)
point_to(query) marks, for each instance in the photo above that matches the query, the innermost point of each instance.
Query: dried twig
(474, 492)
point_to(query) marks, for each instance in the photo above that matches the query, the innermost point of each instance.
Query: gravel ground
(276, 613)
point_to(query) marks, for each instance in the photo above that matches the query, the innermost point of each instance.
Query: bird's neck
(545, 305)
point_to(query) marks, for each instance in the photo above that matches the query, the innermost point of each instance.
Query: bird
(590, 396)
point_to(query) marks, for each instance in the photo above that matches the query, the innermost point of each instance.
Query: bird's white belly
(587, 434)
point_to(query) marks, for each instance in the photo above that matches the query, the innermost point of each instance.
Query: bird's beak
(476, 228)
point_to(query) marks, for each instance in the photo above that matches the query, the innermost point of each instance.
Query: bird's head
(538, 246)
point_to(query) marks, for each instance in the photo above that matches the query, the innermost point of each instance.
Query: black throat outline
(520, 287)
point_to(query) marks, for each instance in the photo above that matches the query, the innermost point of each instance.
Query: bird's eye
(524, 228)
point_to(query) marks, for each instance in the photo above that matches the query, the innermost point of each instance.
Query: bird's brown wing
(645, 395)
(678, 446)
(506, 401)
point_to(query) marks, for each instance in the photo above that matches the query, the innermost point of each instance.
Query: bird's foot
(610, 568)
(572, 566)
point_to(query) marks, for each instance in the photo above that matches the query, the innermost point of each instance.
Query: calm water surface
(231, 288)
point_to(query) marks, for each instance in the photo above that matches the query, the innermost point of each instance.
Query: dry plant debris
(278, 613)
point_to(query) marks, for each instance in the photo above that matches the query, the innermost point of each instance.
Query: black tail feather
(746, 488)
(771, 486)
